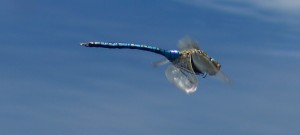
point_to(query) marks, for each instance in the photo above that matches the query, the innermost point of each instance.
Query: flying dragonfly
(187, 62)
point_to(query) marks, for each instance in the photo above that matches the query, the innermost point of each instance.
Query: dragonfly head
(216, 64)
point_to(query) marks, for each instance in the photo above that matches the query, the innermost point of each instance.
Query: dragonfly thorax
(186, 55)
(202, 63)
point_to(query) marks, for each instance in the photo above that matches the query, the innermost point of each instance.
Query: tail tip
(84, 44)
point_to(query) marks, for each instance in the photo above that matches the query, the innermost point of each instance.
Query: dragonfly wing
(183, 79)
(161, 62)
(188, 43)
(223, 77)
(203, 64)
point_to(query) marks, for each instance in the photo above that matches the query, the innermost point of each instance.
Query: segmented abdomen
(169, 54)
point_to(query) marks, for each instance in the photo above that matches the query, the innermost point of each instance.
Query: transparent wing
(188, 43)
(183, 79)
(223, 77)
(160, 63)
(202, 63)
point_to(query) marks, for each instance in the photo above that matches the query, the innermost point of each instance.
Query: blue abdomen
(171, 55)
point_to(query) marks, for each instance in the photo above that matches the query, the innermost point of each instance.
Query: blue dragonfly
(187, 62)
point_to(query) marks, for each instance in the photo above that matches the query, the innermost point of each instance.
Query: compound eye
(215, 63)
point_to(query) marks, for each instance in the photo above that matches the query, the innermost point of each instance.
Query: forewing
(202, 63)
(223, 77)
(188, 43)
(183, 79)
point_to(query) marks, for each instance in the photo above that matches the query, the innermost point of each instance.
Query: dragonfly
(188, 62)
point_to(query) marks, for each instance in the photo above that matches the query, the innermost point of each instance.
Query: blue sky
(51, 85)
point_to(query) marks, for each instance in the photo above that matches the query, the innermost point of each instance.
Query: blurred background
(50, 84)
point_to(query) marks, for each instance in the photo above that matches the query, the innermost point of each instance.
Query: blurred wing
(203, 64)
(183, 79)
(160, 63)
(223, 77)
(188, 43)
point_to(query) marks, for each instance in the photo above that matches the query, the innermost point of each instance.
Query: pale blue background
(49, 85)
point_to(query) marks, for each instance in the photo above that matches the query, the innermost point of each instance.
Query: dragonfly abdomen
(169, 54)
